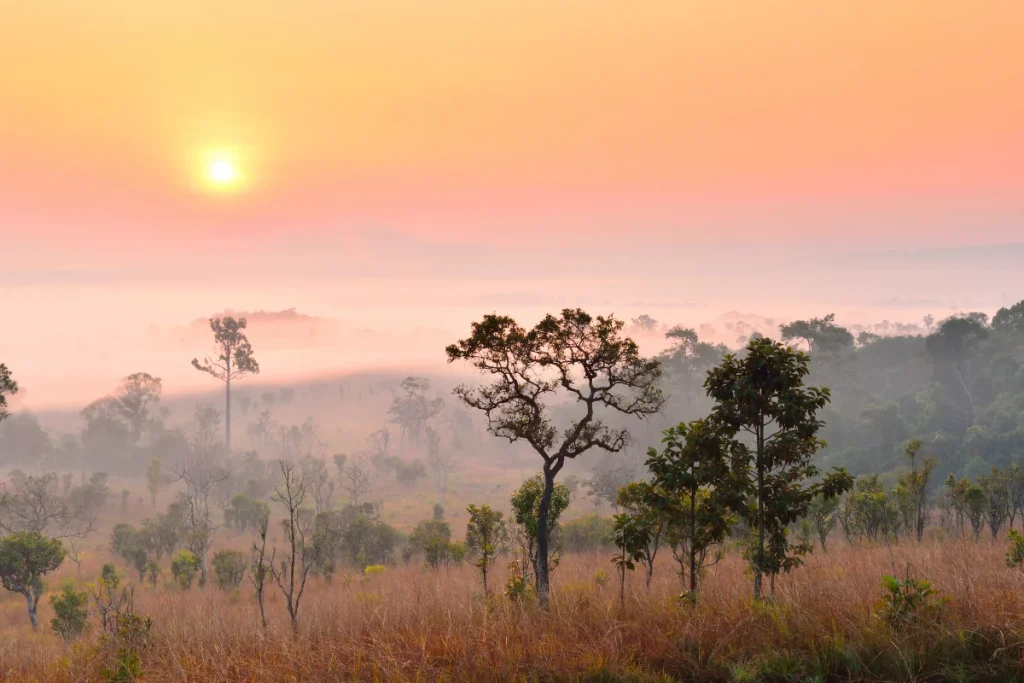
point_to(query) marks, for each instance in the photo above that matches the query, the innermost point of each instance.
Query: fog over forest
(954, 380)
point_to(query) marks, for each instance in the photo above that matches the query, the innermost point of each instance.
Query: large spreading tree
(771, 420)
(573, 355)
(235, 359)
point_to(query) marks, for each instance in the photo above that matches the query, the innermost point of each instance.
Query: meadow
(408, 623)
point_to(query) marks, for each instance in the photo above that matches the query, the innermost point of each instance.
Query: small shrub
(153, 572)
(229, 568)
(133, 636)
(72, 611)
(600, 577)
(906, 601)
(374, 569)
(184, 567)
(587, 534)
(1015, 555)
(518, 585)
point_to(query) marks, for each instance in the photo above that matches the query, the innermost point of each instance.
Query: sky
(403, 167)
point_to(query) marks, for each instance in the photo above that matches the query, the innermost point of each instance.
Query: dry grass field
(410, 624)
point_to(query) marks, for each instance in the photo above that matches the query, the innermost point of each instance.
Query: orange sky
(546, 124)
(438, 116)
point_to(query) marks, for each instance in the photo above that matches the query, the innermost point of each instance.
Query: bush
(72, 610)
(587, 534)
(229, 568)
(905, 601)
(184, 568)
(374, 569)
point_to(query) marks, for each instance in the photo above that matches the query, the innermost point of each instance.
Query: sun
(222, 172)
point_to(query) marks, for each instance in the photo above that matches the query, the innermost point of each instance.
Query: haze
(405, 167)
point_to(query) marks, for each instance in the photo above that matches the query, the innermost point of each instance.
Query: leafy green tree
(823, 337)
(245, 513)
(229, 567)
(486, 537)
(915, 483)
(694, 487)
(133, 545)
(1010, 319)
(576, 356)
(234, 360)
(763, 395)
(640, 500)
(25, 557)
(7, 387)
(997, 500)
(632, 536)
(433, 537)
(868, 511)
(526, 502)
(184, 567)
(955, 497)
(71, 612)
(976, 505)
(823, 513)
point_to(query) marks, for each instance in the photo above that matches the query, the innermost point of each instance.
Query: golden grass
(408, 624)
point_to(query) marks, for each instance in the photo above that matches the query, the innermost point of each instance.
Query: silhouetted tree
(576, 355)
(233, 361)
(763, 395)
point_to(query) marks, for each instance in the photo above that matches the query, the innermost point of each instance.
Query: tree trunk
(541, 569)
(227, 403)
(202, 568)
(693, 543)
(759, 556)
(622, 583)
(32, 604)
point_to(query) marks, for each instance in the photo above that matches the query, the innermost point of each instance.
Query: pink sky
(411, 165)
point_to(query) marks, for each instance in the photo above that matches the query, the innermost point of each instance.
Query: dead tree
(305, 542)
(357, 479)
(37, 503)
(262, 566)
(440, 462)
(201, 477)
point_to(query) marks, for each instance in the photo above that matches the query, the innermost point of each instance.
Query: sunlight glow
(222, 171)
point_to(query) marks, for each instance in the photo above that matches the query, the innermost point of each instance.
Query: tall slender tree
(578, 356)
(234, 360)
(762, 395)
(916, 483)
